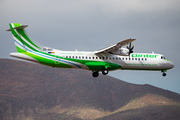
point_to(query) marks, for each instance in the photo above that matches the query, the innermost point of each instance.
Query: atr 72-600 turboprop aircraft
(111, 58)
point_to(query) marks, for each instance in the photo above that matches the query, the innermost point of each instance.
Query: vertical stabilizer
(22, 41)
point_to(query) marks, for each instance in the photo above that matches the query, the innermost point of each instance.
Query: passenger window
(72, 56)
(69, 56)
(89, 57)
(82, 57)
(129, 58)
(106, 58)
(113, 58)
(132, 58)
(116, 58)
(66, 56)
(126, 58)
(76, 57)
(79, 57)
(92, 57)
(119, 58)
(135, 58)
(142, 59)
(123, 58)
(145, 58)
(99, 57)
(103, 58)
(138, 58)
(86, 57)
(110, 58)
(96, 57)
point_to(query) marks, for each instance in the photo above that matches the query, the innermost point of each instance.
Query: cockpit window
(162, 57)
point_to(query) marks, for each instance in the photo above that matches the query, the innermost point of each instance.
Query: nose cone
(169, 65)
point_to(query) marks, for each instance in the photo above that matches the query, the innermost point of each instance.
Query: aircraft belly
(142, 66)
(71, 63)
(23, 56)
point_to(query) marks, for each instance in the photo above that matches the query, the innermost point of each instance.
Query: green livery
(111, 58)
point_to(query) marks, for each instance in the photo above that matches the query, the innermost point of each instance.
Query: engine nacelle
(121, 51)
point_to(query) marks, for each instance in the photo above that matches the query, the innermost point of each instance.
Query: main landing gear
(164, 74)
(105, 71)
(96, 73)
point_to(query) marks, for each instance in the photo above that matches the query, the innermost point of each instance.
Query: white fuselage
(135, 61)
(140, 61)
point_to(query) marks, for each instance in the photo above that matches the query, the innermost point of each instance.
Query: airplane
(114, 57)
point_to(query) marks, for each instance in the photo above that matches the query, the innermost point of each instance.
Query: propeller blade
(130, 48)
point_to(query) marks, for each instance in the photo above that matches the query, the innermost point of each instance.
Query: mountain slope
(33, 91)
(147, 113)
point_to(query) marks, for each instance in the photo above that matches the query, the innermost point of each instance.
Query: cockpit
(162, 57)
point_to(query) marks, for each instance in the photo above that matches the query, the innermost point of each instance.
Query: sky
(90, 25)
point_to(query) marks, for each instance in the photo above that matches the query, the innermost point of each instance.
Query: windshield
(162, 57)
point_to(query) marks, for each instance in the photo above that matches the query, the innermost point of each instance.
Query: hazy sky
(89, 25)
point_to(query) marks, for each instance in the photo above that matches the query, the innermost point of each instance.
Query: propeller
(130, 48)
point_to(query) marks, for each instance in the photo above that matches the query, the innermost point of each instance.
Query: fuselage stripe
(47, 56)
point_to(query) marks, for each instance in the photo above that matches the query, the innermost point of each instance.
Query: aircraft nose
(171, 65)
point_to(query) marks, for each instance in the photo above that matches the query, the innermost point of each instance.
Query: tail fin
(22, 41)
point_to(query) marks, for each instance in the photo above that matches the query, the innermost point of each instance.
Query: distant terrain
(30, 91)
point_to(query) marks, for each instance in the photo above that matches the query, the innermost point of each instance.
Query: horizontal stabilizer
(19, 27)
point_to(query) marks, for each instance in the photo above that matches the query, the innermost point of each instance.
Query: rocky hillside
(31, 91)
